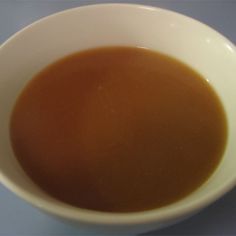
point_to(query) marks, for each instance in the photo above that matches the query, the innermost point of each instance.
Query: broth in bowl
(118, 129)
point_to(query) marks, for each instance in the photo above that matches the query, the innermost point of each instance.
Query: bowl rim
(162, 214)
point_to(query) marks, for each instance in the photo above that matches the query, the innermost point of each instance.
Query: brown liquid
(118, 129)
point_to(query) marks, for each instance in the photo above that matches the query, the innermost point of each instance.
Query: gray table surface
(19, 218)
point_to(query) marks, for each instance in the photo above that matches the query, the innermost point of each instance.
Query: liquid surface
(118, 129)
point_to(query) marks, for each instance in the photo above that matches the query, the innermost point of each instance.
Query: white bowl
(46, 40)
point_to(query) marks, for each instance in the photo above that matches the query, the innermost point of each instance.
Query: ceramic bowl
(53, 37)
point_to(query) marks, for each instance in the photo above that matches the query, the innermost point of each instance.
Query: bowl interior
(27, 52)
